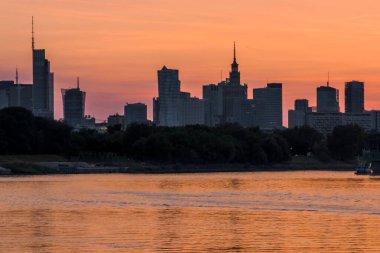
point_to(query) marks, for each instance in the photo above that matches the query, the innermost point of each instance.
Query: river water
(226, 212)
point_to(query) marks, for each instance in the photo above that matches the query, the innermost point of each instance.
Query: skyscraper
(74, 106)
(354, 97)
(227, 101)
(168, 92)
(43, 83)
(268, 106)
(327, 99)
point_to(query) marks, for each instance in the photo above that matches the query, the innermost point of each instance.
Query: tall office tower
(354, 97)
(74, 106)
(235, 74)
(268, 106)
(327, 99)
(135, 113)
(297, 117)
(168, 93)
(43, 83)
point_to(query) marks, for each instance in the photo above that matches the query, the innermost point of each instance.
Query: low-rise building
(135, 113)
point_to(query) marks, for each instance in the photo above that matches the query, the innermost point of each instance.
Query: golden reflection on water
(227, 212)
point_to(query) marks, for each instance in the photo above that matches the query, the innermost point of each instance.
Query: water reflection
(248, 212)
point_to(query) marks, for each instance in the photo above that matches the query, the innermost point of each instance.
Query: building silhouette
(168, 94)
(191, 110)
(116, 119)
(135, 113)
(226, 102)
(297, 117)
(173, 107)
(268, 106)
(74, 101)
(354, 97)
(16, 95)
(43, 83)
(327, 99)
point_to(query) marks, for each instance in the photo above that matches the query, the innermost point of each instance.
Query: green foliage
(301, 140)
(347, 142)
(22, 133)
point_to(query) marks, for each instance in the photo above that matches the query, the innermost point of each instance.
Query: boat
(370, 163)
(364, 168)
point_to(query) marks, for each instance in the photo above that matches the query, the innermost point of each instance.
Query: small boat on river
(364, 168)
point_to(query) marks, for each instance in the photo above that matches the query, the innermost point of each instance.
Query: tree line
(23, 133)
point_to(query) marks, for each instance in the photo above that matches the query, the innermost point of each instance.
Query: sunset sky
(117, 46)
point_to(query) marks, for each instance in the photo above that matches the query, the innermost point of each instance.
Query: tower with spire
(43, 82)
(235, 74)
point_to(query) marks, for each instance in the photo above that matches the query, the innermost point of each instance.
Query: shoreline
(23, 166)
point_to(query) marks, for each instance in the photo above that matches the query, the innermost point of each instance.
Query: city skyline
(129, 73)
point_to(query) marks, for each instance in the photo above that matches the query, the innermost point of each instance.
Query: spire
(32, 32)
(18, 89)
(234, 52)
(16, 75)
(78, 82)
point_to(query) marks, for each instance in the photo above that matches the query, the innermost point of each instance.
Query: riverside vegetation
(23, 134)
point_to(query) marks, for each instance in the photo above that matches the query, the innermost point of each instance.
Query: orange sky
(117, 46)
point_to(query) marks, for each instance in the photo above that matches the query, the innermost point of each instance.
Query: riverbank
(44, 165)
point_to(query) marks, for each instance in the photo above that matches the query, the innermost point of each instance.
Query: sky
(117, 46)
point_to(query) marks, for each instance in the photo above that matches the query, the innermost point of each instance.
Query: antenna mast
(78, 82)
(18, 89)
(32, 32)
(328, 79)
(16, 75)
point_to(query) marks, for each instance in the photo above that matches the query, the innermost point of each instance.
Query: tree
(347, 142)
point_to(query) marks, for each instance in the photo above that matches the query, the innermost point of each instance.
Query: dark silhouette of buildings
(268, 106)
(135, 113)
(226, 102)
(173, 107)
(15, 95)
(43, 83)
(327, 99)
(354, 97)
(74, 101)
(297, 117)
(168, 94)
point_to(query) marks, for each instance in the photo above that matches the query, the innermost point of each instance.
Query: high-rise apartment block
(327, 99)
(74, 101)
(354, 97)
(268, 106)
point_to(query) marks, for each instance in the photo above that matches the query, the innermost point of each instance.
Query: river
(222, 212)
